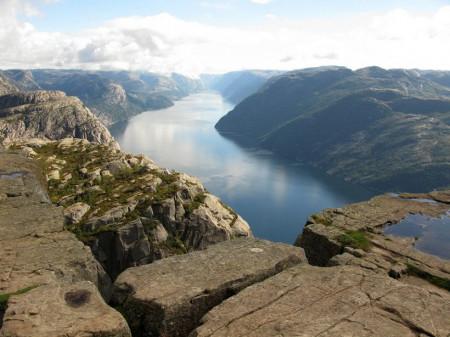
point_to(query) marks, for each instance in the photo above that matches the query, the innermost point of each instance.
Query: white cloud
(163, 43)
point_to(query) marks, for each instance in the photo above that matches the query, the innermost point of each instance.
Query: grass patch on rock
(437, 281)
(355, 239)
(4, 297)
(323, 221)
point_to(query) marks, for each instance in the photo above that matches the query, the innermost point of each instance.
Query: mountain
(385, 129)
(49, 115)
(111, 95)
(438, 76)
(6, 87)
(237, 85)
(22, 79)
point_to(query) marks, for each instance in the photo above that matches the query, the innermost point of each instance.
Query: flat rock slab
(36, 251)
(69, 310)
(320, 237)
(336, 301)
(168, 297)
(52, 258)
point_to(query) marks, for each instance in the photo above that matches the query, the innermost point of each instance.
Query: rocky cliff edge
(49, 115)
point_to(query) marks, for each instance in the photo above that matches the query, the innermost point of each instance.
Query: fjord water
(275, 195)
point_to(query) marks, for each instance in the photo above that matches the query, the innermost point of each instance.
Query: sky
(217, 36)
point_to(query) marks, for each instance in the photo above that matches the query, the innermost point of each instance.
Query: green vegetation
(190, 207)
(123, 312)
(4, 297)
(323, 221)
(355, 239)
(83, 163)
(355, 124)
(442, 283)
(228, 208)
(175, 246)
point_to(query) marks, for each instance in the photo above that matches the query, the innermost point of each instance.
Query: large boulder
(335, 301)
(168, 297)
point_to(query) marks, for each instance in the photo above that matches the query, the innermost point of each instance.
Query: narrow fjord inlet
(274, 194)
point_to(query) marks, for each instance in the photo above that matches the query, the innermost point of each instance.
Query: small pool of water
(429, 201)
(12, 175)
(433, 234)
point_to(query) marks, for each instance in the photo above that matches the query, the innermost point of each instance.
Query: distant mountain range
(235, 86)
(111, 95)
(119, 95)
(385, 129)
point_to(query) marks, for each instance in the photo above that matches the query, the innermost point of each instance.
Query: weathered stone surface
(35, 250)
(124, 248)
(174, 211)
(335, 301)
(49, 115)
(168, 297)
(116, 166)
(75, 212)
(70, 310)
(386, 255)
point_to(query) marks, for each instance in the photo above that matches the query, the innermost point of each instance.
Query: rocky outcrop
(354, 235)
(127, 209)
(335, 301)
(45, 272)
(168, 297)
(6, 87)
(49, 115)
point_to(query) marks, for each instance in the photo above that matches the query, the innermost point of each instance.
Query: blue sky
(72, 15)
(195, 36)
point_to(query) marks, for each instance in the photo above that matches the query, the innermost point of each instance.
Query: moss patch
(441, 283)
(4, 297)
(355, 239)
(323, 221)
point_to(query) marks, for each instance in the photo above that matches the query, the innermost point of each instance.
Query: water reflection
(273, 194)
(433, 234)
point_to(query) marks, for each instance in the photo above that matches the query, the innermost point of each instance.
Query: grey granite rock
(69, 310)
(386, 255)
(49, 115)
(336, 301)
(168, 297)
(35, 250)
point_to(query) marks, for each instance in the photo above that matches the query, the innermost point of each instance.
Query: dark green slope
(388, 130)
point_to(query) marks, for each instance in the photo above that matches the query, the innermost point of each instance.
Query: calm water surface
(273, 194)
(433, 234)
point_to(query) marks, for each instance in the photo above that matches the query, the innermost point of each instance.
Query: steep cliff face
(49, 115)
(127, 209)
